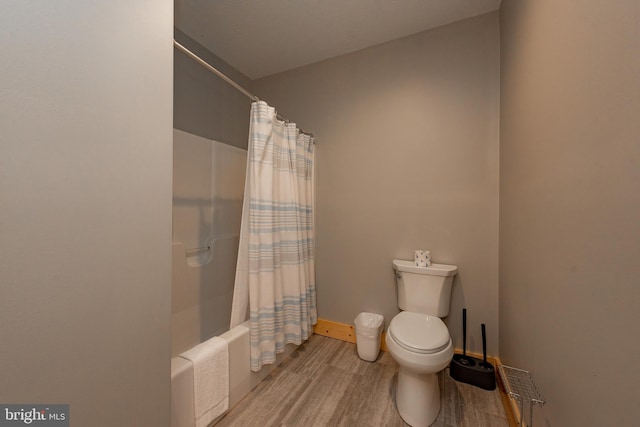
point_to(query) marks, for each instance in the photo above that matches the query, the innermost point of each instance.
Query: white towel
(210, 361)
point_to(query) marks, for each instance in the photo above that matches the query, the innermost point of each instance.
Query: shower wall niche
(208, 186)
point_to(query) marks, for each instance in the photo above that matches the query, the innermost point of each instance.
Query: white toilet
(418, 340)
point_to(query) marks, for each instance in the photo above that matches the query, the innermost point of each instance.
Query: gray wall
(570, 205)
(204, 104)
(407, 158)
(85, 217)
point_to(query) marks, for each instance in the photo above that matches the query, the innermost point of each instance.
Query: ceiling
(264, 37)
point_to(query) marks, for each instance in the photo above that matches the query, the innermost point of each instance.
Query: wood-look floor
(324, 383)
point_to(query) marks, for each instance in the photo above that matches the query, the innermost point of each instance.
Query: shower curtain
(275, 271)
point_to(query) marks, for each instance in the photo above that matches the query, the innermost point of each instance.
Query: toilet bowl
(418, 340)
(422, 347)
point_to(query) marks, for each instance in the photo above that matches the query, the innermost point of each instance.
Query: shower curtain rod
(218, 73)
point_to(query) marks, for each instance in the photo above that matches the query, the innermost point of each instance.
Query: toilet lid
(419, 333)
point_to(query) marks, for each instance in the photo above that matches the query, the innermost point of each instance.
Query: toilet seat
(419, 333)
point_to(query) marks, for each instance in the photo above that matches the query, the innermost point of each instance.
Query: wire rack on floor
(520, 386)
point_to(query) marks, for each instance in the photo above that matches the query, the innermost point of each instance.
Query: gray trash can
(368, 334)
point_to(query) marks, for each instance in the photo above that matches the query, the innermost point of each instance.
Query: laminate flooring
(324, 383)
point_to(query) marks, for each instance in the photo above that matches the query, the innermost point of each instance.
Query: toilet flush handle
(398, 275)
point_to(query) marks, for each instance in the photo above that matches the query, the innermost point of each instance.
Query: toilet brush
(471, 370)
(464, 359)
(484, 345)
(464, 332)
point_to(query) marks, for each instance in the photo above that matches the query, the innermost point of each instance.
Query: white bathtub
(241, 379)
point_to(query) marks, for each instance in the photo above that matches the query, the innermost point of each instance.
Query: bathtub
(241, 379)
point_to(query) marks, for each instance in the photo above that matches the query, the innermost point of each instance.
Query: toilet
(419, 340)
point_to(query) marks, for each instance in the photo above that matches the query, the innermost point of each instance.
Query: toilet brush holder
(471, 370)
(474, 371)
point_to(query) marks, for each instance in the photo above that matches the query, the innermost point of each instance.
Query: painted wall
(569, 205)
(208, 187)
(204, 104)
(85, 218)
(407, 158)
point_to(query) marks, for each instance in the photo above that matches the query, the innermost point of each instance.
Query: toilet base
(418, 397)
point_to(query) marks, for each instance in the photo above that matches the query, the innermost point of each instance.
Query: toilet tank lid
(433, 269)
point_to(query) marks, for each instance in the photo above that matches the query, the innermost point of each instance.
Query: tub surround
(208, 183)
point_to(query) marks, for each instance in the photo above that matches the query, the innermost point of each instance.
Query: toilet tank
(425, 290)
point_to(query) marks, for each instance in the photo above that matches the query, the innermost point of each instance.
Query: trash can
(368, 333)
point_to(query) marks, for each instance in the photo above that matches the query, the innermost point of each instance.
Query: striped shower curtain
(275, 270)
